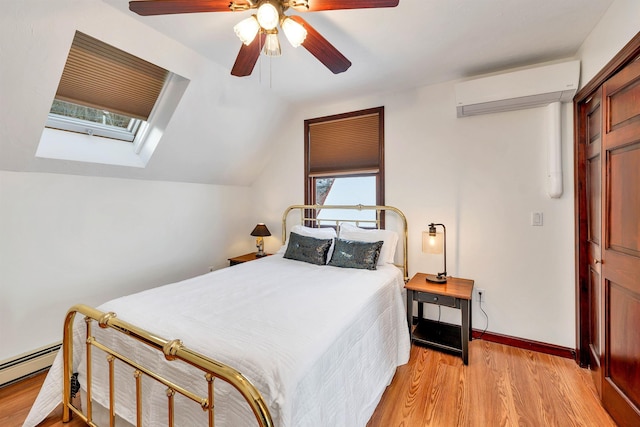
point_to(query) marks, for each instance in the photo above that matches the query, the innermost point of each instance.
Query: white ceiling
(417, 43)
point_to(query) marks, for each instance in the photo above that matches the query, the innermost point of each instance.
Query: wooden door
(620, 246)
(592, 119)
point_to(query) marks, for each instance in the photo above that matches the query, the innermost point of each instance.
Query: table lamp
(436, 243)
(259, 232)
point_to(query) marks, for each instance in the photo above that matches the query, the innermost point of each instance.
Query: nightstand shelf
(441, 335)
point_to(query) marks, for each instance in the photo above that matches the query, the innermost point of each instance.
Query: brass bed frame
(174, 350)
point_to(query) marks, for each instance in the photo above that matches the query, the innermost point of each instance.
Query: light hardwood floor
(501, 386)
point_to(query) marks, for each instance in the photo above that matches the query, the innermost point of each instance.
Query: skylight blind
(100, 76)
(345, 145)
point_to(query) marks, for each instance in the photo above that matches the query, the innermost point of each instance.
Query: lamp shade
(294, 32)
(260, 230)
(432, 242)
(272, 45)
(247, 29)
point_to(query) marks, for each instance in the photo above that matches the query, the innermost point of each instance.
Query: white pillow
(316, 233)
(349, 231)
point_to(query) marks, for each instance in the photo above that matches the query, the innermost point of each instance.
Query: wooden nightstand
(243, 258)
(455, 293)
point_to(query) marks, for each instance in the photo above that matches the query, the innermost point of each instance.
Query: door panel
(623, 367)
(624, 218)
(620, 245)
(595, 352)
(625, 105)
(594, 201)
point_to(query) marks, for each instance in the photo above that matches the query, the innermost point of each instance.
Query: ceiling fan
(259, 32)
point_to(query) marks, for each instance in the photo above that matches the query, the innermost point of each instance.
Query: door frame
(628, 53)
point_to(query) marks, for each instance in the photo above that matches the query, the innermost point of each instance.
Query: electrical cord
(485, 315)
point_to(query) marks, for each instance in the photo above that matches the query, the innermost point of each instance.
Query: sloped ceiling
(221, 131)
(417, 43)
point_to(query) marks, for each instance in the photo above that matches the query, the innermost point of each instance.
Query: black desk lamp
(436, 243)
(260, 232)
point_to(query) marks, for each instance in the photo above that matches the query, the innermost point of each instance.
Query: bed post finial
(170, 349)
(104, 319)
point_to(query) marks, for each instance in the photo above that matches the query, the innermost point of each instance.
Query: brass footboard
(172, 350)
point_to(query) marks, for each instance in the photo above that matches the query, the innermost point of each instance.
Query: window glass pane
(89, 114)
(346, 191)
(93, 121)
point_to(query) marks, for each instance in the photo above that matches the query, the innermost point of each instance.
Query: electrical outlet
(480, 295)
(537, 219)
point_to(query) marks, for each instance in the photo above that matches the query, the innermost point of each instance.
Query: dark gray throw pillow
(353, 254)
(308, 249)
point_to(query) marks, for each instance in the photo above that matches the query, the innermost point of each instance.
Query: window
(92, 121)
(344, 161)
(107, 97)
(105, 89)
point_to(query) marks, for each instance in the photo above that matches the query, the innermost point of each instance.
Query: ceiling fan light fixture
(268, 16)
(294, 32)
(272, 45)
(247, 29)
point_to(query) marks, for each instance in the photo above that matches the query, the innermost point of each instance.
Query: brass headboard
(309, 215)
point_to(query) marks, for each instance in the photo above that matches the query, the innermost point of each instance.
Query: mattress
(320, 343)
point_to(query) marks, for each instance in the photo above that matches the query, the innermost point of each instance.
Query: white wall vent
(516, 90)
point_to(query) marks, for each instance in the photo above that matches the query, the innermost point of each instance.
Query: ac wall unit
(516, 90)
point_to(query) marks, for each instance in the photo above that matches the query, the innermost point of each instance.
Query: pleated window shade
(101, 76)
(345, 146)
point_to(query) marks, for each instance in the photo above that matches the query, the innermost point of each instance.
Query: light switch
(536, 218)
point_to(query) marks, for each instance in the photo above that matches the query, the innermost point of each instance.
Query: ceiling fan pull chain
(260, 60)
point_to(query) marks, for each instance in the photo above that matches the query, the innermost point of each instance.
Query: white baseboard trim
(28, 363)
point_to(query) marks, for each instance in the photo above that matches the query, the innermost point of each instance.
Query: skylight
(110, 107)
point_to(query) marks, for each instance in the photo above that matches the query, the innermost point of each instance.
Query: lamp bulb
(268, 16)
(272, 45)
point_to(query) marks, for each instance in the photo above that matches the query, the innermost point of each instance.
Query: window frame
(74, 124)
(311, 177)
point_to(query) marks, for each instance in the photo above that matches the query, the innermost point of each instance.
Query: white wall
(615, 29)
(482, 177)
(71, 239)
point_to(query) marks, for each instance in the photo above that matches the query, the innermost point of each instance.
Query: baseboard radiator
(27, 364)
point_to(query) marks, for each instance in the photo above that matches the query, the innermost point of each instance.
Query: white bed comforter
(320, 343)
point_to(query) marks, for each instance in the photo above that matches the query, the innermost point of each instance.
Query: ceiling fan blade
(248, 56)
(316, 5)
(168, 7)
(320, 47)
